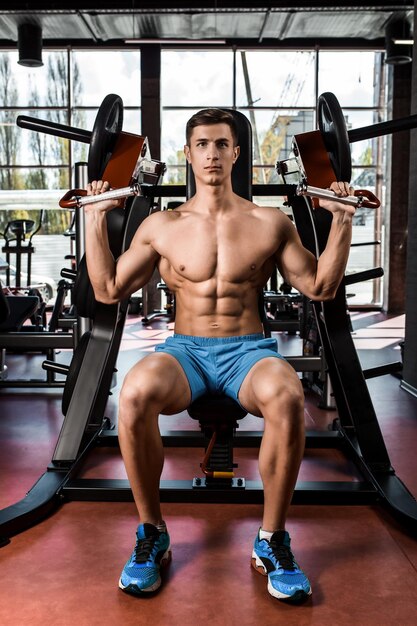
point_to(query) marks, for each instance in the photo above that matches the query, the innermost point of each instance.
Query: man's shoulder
(270, 213)
(158, 218)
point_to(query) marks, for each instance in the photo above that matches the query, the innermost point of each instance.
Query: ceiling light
(403, 42)
(29, 43)
(176, 41)
(398, 49)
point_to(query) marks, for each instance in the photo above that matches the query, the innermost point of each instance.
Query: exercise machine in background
(31, 325)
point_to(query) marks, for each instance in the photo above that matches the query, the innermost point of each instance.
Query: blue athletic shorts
(218, 364)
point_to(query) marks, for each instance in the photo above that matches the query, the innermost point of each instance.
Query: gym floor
(64, 571)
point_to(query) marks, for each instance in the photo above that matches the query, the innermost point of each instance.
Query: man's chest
(230, 251)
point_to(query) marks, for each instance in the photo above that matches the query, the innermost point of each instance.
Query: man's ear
(236, 151)
(187, 153)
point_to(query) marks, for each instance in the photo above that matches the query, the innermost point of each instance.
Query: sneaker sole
(137, 591)
(298, 596)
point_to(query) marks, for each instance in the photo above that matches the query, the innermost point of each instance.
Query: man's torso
(217, 266)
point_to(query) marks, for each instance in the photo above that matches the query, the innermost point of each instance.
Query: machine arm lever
(78, 197)
(53, 128)
(361, 197)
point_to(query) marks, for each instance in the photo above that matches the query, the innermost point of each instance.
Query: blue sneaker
(274, 559)
(141, 574)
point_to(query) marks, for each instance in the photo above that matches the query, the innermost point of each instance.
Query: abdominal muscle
(216, 293)
(203, 312)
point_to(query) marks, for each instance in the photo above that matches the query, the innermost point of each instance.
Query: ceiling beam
(138, 6)
(339, 43)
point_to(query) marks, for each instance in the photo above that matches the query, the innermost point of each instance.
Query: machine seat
(215, 408)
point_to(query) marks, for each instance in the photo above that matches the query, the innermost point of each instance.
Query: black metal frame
(358, 435)
(357, 419)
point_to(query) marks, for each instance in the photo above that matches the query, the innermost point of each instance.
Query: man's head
(207, 117)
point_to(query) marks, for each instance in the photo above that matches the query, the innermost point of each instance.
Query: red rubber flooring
(64, 571)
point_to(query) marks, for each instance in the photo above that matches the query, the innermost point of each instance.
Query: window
(68, 90)
(277, 90)
(36, 169)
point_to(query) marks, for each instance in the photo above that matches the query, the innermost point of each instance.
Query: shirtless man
(215, 252)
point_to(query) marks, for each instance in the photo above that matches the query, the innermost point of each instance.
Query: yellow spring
(223, 474)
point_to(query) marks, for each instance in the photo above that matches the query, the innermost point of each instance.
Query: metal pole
(80, 182)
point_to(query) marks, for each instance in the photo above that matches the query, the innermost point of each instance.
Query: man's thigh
(162, 376)
(266, 379)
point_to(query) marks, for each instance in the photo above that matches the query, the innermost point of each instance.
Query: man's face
(211, 153)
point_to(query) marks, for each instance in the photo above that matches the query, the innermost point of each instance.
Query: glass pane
(23, 178)
(277, 79)
(273, 132)
(175, 175)
(349, 75)
(85, 118)
(10, 138)
(27, 147)
(132, 121)
(364, 178)
(79, 151)
(200, 78)
(365, 253)
(28, 205)
(363, 152)
(367, 291)
(51, 247)
(97, 73)
(40, 86)
(173, 137)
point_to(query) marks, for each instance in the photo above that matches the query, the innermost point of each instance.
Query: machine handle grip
(78, 197)
(370, 201)
(71, 199)
(361, 197)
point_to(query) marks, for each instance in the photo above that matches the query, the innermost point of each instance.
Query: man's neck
(214, 199)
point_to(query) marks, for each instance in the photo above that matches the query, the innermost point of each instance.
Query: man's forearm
(100, 262)
(332, 263)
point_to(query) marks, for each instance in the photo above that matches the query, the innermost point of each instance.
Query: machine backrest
(211, 408)
(241, 179)
(242, 170)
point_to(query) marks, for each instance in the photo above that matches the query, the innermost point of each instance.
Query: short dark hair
(205, 117)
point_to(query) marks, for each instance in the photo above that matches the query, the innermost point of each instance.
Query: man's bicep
(296, 264)
(135, 267)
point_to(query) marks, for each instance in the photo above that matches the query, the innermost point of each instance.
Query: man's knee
(278, 392)
(152, 386)
(287, 398)
(139, 391)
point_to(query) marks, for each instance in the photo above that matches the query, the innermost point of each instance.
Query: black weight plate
(107, 127)
(332, 125)
(74, 370)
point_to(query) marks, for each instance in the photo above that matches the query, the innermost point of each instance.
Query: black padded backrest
(212, 407)
(242, 169)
